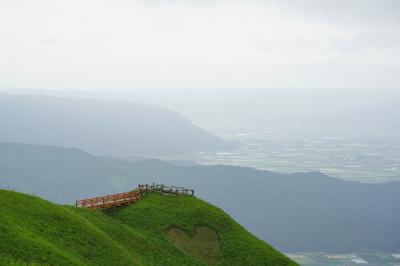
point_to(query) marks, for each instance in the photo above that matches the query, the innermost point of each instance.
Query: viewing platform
(125, 198)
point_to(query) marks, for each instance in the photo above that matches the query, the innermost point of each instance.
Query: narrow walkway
(121, 199)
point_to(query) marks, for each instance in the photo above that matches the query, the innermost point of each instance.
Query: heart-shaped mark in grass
(204, 245)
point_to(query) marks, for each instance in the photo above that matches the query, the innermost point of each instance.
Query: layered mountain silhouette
(293, 212)
(101, 127)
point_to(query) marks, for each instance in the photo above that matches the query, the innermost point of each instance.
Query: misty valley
(194, 133)
(320, 199)
(352, 158)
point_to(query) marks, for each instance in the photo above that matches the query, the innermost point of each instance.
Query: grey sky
(99, 44)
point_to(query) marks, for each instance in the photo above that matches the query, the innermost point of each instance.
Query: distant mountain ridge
(101, 127)
(294, 212)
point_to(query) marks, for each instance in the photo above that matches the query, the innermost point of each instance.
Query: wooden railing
(121, 199)
(165, 189)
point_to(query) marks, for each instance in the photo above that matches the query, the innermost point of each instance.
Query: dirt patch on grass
(204, 245)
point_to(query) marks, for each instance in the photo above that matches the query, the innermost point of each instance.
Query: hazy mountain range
(344, 113)
(294, 212)
(101, 127)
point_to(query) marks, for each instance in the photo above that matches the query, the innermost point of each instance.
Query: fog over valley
(350, 134)
(222, 132)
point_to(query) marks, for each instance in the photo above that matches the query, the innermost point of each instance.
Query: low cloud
(199, 44)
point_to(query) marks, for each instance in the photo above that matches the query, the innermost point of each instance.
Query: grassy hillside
(159, 230)
(353, 216)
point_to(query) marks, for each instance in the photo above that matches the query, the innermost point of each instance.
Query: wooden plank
(124, 198)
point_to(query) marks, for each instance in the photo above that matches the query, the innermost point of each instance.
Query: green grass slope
(158, 230)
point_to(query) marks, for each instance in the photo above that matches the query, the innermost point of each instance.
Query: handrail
(125, 198)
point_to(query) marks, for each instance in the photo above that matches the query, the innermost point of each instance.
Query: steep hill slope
(100, 126)
(352, 216)
(150, 232)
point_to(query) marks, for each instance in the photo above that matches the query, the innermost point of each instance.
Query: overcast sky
(128, 44)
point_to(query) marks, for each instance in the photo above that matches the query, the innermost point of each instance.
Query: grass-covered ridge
(204, 244)
(35, 231)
